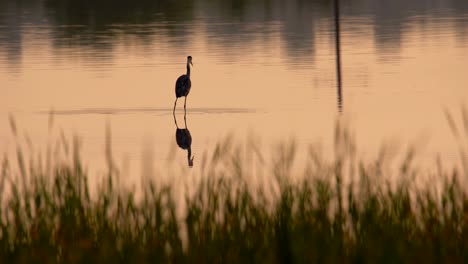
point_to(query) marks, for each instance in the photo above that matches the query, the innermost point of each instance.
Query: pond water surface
(262, 67)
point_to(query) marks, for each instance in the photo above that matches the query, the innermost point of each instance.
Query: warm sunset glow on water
(271, 73)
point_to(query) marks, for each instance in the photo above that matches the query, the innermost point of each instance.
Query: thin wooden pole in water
(338, 55)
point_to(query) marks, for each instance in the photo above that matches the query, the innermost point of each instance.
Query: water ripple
(161, 111)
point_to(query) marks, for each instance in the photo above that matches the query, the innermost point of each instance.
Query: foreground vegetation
(338, 211)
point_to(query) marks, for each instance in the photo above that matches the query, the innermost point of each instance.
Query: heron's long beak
(191, 63)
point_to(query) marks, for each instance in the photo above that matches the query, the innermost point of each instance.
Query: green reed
(334, 211)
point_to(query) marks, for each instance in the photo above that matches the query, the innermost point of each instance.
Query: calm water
(265, 67)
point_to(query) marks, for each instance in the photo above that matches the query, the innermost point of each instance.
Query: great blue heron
(184, 140)
(183, 84)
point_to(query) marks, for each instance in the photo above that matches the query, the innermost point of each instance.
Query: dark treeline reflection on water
(99, 25)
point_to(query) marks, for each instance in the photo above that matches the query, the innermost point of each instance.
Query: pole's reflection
(184, 139)
(338, 55)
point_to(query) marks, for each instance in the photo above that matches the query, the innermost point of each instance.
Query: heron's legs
(175, 103)
(185, 119)
(185, 102)
(175, 119)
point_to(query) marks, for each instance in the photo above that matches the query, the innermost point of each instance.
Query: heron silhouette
(183, 85)
(184, 140)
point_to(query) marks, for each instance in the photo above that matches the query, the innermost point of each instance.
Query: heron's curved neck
(189, 156)
(188, 69)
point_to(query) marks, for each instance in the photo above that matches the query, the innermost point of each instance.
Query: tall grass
(337, 211)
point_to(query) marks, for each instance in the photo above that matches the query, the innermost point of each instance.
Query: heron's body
(183, 84)
(184, 140)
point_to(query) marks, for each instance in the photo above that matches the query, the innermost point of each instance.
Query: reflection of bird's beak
(191, 162)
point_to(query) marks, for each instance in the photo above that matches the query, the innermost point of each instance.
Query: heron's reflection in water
(184, 140)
